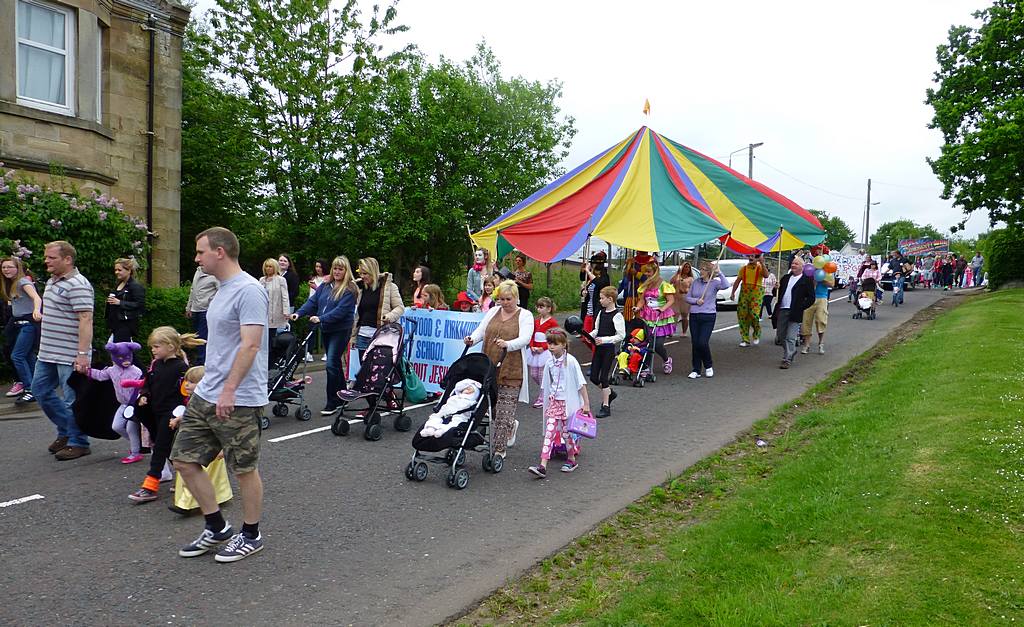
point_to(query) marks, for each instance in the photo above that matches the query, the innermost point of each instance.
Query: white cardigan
(521, 343)
(574, 382)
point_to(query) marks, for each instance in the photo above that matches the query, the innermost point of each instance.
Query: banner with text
(924, 246)
(436, 342)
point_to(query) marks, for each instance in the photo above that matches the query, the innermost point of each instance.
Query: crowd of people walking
(236, 317)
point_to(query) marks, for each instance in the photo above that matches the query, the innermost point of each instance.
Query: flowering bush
(95, 224)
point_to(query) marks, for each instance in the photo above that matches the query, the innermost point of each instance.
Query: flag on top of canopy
(649, 193)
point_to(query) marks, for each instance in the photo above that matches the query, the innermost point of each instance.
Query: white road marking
(24, 499)
(351, 421)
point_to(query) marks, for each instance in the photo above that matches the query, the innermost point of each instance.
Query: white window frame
(70, 24)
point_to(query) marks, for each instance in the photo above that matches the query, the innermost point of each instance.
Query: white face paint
(478, 256)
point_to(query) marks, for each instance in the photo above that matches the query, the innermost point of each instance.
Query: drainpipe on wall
(150, 26)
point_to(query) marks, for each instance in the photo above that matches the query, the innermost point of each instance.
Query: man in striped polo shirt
(64, 345)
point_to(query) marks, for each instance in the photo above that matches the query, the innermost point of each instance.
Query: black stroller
(472, 435)
(637, 370)
(286, 354)
(380, 376)
(865, 300)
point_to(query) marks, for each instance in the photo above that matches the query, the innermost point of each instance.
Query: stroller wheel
(373, 432)
(497, 463)
(340, 426)
(460, 458)
(410, 471)
(419, 472)
(403, 422)
(280, 410)
(303, 413)
(460, 479)
(639, 382)
(264, 423)
(486, 462)
(652, 378)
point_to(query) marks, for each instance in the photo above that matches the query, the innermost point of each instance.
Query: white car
(729, 267)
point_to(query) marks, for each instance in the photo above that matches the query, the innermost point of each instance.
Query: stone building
(93, 88)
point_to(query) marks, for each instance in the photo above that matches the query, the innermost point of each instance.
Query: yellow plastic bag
(218, 472)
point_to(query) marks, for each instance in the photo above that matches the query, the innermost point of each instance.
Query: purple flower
(102, 215)
(141, 226)
(55, 223)
(4, 189)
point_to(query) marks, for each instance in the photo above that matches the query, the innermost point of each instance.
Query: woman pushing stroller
(506, 331)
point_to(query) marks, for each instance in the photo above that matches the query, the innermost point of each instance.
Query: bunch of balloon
(824, 268)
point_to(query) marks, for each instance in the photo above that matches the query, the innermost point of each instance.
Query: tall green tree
(459, 144)
(979, 108)
(220, 173)
(837, 232)
(308, 72)
(892, 232)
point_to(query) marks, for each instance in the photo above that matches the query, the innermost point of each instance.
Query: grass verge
(889, 494)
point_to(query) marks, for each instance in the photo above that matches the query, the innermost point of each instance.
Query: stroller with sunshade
(379, 378)
(472, 431)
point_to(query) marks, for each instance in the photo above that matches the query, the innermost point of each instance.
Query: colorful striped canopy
(650, 193)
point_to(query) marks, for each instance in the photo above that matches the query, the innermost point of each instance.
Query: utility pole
(867, 216)
(750, 159)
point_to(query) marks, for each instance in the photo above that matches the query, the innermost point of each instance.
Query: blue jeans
(48, 377)
(335, 344)
(200, 328)
(701, 326)
(23, 354)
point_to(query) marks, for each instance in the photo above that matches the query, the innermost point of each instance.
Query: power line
(763, 162)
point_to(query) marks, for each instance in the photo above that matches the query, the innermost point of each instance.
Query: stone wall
(110, 155)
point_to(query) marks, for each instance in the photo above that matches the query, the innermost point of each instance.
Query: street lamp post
(750, 157)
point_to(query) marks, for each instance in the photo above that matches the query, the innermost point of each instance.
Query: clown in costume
(481, 269)
(748, 309)
(657, 311)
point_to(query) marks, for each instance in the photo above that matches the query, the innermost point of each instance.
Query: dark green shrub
(1002, 256)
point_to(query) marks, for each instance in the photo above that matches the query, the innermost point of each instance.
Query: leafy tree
(837, 232)
(979, 108)
(220, 182)
(893, 232)
(459, 144)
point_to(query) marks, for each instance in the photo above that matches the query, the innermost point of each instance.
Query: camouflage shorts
(202, 436)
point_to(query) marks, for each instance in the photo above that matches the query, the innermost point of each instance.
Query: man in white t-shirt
(225, 411)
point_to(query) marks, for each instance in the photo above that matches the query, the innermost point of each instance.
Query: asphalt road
(348, 539)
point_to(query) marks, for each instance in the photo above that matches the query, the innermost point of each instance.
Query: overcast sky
(835, 90)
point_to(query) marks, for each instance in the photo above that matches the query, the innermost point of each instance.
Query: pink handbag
(583, 424)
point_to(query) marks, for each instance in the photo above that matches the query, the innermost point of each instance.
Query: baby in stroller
(455, 411)
(866, 298)
(633, 352)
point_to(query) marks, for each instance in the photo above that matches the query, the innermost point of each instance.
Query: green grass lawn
(893, 493)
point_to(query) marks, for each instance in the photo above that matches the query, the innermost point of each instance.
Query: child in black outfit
(609, 330)
(160, 394)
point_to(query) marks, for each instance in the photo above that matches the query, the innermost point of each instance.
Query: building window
(45, 56)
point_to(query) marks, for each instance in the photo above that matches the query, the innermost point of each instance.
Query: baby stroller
(286, 354)
(472, 435)
(865, 300)
(380, 376)
(636, 358)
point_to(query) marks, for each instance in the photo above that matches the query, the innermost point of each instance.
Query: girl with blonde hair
(332, 307)
(506, 331)
(433, 297)
(160, 394)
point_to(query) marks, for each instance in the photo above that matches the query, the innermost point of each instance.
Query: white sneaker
(324, 358)
(821, 349)
(694, 375)
(709, 372)
(803, 351)
(756, 341)
(309, 357)
(744, 345)
(512, 438)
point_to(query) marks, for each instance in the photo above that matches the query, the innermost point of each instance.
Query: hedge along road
(349, 539)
